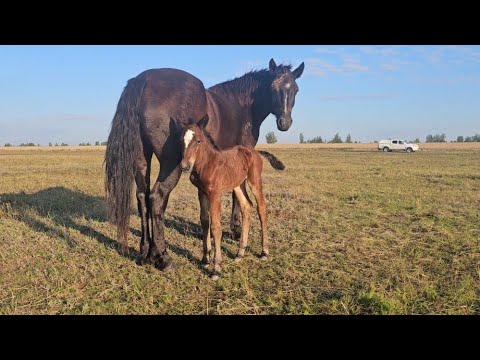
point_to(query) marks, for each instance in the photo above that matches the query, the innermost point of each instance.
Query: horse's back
(172, 93)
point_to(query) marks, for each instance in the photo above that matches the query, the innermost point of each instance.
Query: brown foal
(215, 172)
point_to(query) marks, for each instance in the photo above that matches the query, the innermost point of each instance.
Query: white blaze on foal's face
(187, 154)
(188, 137)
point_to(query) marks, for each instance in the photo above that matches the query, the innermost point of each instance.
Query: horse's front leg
(215, 208)
(236, 219)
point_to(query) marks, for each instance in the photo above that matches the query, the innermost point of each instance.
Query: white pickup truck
(402, 145)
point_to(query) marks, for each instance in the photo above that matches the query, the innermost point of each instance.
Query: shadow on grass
(63, 206)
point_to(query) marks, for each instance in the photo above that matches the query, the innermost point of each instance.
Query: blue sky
(69, 93)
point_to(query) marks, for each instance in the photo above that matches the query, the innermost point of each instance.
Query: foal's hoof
(215, 275)
(263, 256)
(205, 264)
(164, 263)
(238, 259)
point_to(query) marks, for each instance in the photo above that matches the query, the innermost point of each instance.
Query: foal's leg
(205, 221)
(235, 220)
(142, 179)
(246, 207)
(167, 180)
(255, 181)
(215, 207)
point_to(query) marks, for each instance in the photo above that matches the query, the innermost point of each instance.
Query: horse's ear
(203, 122)
(298, 71)
(272, 65)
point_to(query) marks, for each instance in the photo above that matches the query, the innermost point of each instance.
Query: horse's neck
(254, 99)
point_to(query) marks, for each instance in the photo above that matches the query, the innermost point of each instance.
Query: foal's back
(236, 164)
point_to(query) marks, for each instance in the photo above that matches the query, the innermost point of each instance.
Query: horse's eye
(198, 141)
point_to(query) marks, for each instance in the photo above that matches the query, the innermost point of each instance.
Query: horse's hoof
(236, 233)
(238, 259)
(143, 261)
(164, 263)
(205, 265)
(263, 256)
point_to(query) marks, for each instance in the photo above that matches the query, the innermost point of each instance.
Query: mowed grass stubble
(352, 231)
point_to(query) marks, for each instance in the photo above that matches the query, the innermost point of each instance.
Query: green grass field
(352, 231)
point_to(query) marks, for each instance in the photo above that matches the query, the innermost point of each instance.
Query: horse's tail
(123, 147)
(274, 161)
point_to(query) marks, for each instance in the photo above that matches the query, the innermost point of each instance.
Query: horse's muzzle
(284, 122)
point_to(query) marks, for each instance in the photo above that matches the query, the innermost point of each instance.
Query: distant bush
(8, 145)
(336, 139)
(436, 138)
(97, 143)
(271, 138)
(63, 144)
(104, 143)
(348, 139)
(27, 144)
(315, 140)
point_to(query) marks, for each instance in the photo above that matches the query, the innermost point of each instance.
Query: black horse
(151, 112)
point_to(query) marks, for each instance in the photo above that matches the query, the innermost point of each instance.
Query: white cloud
(356, 97)
(448, 54)
(378, 50)
(331, 51)
(388, 67)
(319, 67)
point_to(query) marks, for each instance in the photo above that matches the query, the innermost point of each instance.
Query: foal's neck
(206, 153)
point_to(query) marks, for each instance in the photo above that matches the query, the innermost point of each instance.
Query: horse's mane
(246, 84)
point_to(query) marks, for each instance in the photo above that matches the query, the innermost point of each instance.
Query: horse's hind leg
(142, 180)
(245, 207)
(235, 220)
(167, 180)
(255, 181)
(205, 221)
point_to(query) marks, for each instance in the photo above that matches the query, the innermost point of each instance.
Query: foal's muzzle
(185, 166)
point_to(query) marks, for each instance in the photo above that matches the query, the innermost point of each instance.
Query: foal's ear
(203, 122)
(298, 71)
(272, 65)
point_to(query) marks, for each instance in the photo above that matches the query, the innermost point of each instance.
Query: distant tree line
(443, 138)
(335, 140)
(97, 143)
(436, 138)
(474, 138)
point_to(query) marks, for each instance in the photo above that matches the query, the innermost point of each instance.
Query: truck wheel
(409, 150)
(386, 149)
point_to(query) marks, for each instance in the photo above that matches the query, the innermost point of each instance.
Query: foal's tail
(274, 161)
(123, 146)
